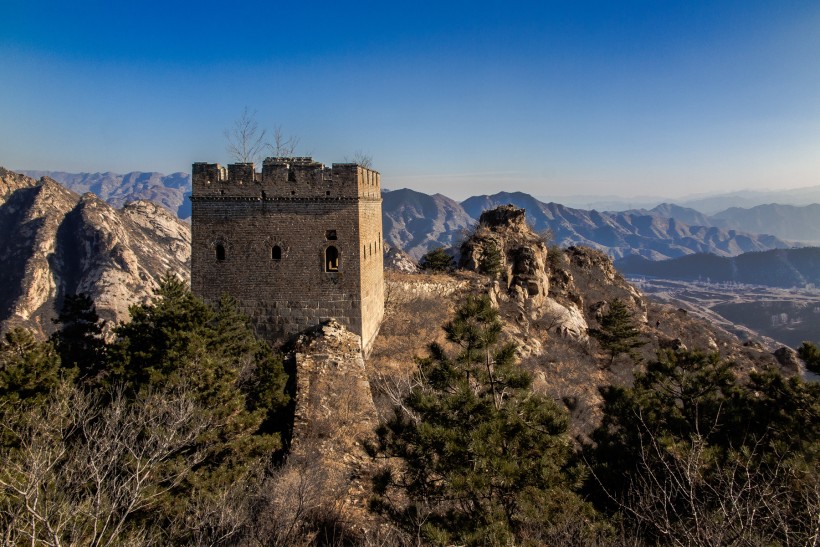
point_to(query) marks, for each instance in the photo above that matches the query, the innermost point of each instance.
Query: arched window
(220, 252)
(331, 259)
(276, 252)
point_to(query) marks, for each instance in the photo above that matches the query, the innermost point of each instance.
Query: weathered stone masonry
(296, 244)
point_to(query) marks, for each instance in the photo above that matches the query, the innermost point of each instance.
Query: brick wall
(301, 209)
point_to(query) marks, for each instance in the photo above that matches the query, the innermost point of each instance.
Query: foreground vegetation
(171, 432)
(149, 438)
(690, 454)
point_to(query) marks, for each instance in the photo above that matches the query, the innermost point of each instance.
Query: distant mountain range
(170, 191)
(645, 233)
(784, 268)
(416, 222)
(707, 204)
(785, 221)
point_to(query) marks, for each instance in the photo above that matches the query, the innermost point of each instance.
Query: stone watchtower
(296, 244)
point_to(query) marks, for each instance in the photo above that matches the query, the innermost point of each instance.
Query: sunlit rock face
(522, 288)
(54, 243)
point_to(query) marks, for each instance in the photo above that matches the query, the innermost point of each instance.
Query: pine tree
(29, 369)
(618, 333)
(490, 262)
(436, 260)
(811, 356)
(180, 344)
(79, 340)
(483, 456)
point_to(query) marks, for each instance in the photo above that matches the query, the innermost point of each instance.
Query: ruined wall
(266, 238)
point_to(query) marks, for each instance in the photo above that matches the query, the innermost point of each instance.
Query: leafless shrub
(283, 146)
(687, 500)
(298, 504)
(362, 158)
(391, 389)
(245, 141)
(78, 471)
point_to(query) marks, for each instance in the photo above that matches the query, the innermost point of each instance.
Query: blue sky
(553, 98)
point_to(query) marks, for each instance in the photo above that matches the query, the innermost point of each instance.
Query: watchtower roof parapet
(285, 177)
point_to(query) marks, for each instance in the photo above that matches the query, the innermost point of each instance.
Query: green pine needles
(618, 334)
(476, 456)
(437, 260)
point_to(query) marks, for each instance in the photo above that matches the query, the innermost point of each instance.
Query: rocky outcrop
(522, 289)
(788, 359)
(54, 243)
(521, 253)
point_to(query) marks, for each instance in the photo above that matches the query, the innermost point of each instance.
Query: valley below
(770, 316)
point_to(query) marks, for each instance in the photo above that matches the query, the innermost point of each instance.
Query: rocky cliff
(54, 242)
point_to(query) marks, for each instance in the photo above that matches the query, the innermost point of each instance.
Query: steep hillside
(416, 222)
(54, 242)
(170, 191)
(619, 234)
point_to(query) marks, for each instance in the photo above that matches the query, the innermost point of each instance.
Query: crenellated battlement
(285, 178)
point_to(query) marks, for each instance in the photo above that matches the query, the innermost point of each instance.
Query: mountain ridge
(416, 222)
(55, 242)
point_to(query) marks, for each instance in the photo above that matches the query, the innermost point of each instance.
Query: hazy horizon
(595, 99)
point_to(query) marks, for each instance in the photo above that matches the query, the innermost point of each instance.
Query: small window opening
(276, 252)
(330, 235)
(291, 176)
(331, 259)
(364, 251)
(220, 252)
(293, 192)
(327, 193)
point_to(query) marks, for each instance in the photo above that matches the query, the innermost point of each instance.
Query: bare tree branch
(245, 141)
(360, 157)
(282, 146)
